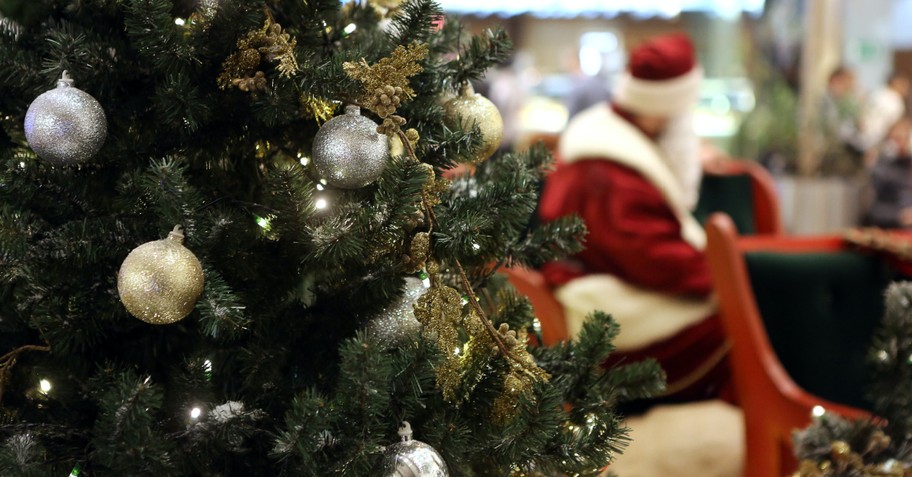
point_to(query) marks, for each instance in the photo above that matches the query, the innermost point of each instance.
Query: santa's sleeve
(630, 221)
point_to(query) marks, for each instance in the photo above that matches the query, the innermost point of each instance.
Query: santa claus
(631, 170)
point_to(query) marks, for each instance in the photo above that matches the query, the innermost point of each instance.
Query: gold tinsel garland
(269, 43)
(879, 240)
(321, 110)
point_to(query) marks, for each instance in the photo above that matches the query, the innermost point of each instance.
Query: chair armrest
(786, 244)
(548, 310)
(767, 217)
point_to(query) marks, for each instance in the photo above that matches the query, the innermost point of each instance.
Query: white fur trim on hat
(658, 98)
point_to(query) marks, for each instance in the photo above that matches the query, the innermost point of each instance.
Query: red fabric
(662, 58)
(633, 233)
(690, 360)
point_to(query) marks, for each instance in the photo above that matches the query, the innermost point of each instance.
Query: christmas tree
(324, 282)
(837, 447)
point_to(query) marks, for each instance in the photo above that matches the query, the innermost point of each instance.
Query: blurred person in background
(891, 180)
(631, 169)
(839, 110)
(881, 111)
(585, 90)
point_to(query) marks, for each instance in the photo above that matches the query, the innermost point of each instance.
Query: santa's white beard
(680, 147)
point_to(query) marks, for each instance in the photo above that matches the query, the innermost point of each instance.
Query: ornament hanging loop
(65, 80)
(177, 234)
(405, 431)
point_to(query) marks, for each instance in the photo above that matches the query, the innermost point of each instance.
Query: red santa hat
(662, 78)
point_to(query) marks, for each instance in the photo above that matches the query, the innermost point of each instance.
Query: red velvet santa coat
(644, 260)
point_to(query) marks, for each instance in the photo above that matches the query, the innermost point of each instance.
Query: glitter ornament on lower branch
(159, 282)
(65, 125)
(411, 458)
(397, 322)
(348, 152)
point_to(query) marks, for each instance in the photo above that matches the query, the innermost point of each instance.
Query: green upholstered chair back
(731, 194)
(820, 311)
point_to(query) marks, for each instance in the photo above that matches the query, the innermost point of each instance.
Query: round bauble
(397, 322)
(411, 458)
(471, 109)
(348, 152)
(159, 282)
(65, 125)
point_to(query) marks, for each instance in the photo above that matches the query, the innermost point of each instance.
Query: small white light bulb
(195, 413)
(179, 21)
(350, 28)
(818, 411)
(45, 386)
(321, 204)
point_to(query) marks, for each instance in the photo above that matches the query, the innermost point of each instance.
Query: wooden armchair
(818, 280)
(745, 191)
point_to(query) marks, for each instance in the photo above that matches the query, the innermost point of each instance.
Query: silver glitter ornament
(397, 322)
(411, 458)
(348, 152)
(159, 282)
(65, 125)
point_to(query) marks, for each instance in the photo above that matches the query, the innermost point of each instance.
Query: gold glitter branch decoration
(241, 69)
(385, 87)
(440, 312)
(386, 83)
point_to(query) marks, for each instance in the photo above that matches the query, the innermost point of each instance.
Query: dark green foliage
(891, 392)
(889, 437)
(269, 375)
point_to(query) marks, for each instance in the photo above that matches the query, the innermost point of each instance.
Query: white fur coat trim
(599, 133)
(645, 316)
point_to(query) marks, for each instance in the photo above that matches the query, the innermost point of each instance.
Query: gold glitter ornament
(395, 146)
(159, 282)
(470, 109)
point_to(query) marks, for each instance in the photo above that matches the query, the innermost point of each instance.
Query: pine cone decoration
(249, 84)
(385, 100)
